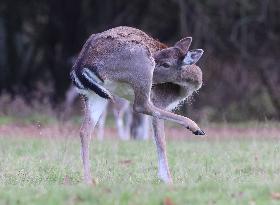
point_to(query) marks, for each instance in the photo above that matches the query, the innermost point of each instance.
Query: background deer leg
(128, 121)
(119, 109)
(140, 126)
(94, 106)
(159, 136)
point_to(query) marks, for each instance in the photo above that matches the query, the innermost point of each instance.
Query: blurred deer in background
(139, 128)
(129, 57)
(122, 115)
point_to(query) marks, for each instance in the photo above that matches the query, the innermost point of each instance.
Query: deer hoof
(199, 132)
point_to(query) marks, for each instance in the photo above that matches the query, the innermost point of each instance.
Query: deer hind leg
(142, 104)
(159, 136)
(94, 106)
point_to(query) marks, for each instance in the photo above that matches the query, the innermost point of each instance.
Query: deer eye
(166, 65)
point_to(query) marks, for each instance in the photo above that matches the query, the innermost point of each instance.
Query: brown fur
(133, 36)
(100, 45)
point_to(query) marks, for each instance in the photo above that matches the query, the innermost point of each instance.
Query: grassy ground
(40, 164)
(48, 171)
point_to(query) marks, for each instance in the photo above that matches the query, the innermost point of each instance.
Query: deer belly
(120, 89)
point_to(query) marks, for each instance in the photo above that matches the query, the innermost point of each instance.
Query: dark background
(241, 39)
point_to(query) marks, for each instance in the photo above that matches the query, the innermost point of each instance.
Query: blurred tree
(39, 38)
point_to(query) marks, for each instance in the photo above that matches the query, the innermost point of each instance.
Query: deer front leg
(94, 106)
(159, 135)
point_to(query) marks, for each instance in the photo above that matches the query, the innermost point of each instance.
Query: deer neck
(168, 95)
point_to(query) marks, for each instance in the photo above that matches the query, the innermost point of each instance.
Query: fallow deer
(122, 58)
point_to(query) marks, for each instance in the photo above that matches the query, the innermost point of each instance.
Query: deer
(127, 60)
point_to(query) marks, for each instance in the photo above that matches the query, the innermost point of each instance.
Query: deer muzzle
(191, 75)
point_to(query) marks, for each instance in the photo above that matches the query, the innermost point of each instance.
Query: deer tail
(88, 79)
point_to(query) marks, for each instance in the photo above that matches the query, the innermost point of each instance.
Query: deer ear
(184, 44)
(193, 56)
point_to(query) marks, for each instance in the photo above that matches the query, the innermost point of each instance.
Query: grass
(31, 119)
(48, 171)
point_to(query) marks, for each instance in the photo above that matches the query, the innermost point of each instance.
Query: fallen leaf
(127, 161)
(107, 190)
(78, 199)
(240, 194)
(252, 202)
(168, 201)
(95, 181)
(66, 180)
(275, 195)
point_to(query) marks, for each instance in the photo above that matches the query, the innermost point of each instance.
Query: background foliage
(39, 39)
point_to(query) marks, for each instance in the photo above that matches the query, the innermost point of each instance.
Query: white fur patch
(92, 76)
(96, 105)
(193, 56)
(162, 168)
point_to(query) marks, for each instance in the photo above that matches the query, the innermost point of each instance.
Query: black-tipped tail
(86, 79)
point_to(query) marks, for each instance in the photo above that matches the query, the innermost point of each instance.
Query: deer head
(176, 64)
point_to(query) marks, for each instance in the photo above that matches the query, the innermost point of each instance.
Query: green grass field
(48, 171)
